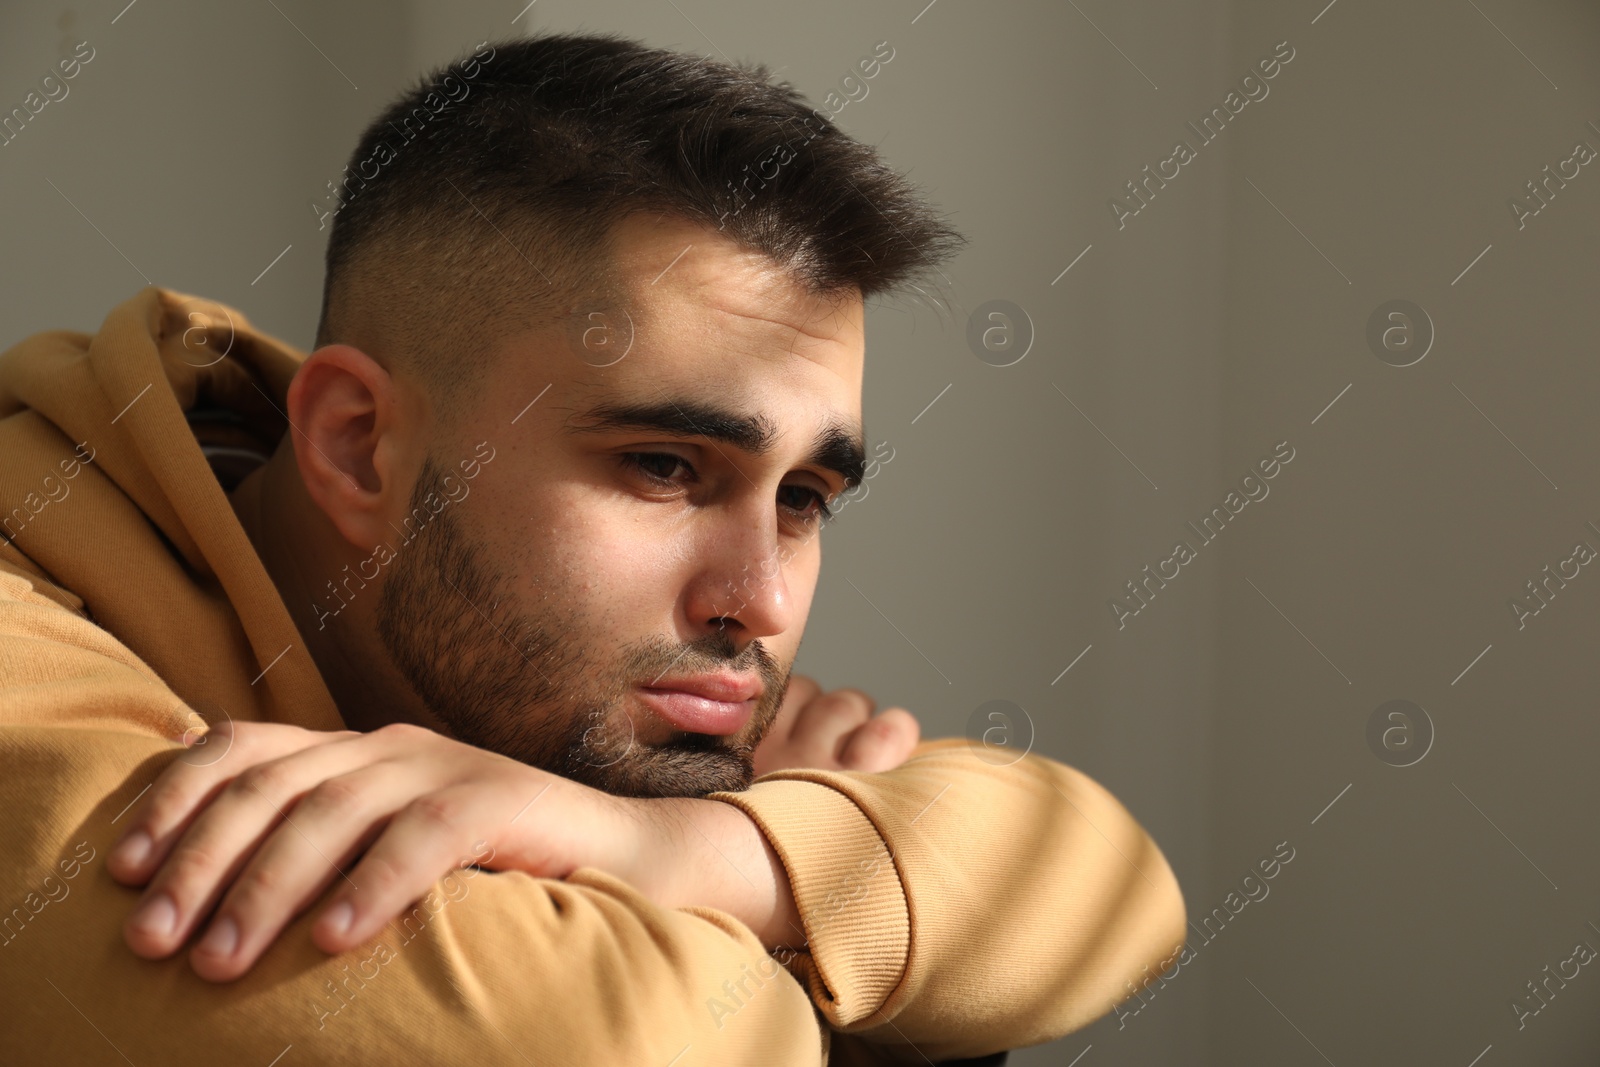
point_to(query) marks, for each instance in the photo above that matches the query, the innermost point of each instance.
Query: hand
(269, 826)
(835, 731)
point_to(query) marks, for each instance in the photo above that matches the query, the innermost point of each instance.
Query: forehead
(702, 312)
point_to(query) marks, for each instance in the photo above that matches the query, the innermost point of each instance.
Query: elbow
(1155, 943)
(1127, 892)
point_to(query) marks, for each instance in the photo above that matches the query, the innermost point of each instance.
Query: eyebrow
(838, 447)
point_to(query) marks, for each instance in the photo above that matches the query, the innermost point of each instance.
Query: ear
(350, 428)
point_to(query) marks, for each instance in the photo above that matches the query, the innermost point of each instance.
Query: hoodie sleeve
(952, 908)
(998, 907)
(488, 968)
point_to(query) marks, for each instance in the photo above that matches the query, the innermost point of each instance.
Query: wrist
(706, 853)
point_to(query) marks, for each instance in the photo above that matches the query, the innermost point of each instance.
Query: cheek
(597, 555)
(801, 576)
(604, 562)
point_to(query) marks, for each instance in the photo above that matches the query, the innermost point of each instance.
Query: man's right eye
(657, 466)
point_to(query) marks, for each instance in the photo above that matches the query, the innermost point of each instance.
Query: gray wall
(1223, 318)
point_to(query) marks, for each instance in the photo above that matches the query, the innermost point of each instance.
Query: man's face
(620, 595)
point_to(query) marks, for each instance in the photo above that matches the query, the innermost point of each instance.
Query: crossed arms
(948, 908)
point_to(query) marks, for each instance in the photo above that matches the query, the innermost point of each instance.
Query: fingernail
(221, 939)
(132, 850)
(157, 917)
(337, 920)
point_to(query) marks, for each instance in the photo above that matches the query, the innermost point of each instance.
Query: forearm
(495, 967)
(1088, 899)
(722, 860)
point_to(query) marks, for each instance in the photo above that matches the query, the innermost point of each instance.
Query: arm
(392, 809)
(856, 905)
(488, 967)
(1019, 903)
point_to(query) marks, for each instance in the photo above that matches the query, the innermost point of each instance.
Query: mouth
(717, 704)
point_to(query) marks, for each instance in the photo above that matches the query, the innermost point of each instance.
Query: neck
(302, 551)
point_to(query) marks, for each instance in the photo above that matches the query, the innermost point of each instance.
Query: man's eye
(809, 504)
(657, 466)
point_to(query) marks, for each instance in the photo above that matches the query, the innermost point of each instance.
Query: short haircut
(481, 200)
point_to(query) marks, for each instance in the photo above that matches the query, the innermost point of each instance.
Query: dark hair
(484, 195)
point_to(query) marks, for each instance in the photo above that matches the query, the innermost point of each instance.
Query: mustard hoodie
(953, 907)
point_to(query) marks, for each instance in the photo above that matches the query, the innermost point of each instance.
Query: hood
(117, 450)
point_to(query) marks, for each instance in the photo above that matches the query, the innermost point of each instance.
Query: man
(416, 686)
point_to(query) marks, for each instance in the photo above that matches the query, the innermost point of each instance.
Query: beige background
(1226, 317)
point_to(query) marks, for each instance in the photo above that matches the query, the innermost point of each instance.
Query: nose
(741, 588)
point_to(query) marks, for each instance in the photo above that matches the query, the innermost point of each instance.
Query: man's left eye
(809, 503)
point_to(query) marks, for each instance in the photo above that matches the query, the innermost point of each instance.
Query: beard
(539, 686)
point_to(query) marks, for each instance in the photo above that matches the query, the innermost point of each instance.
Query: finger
(421, 844)
(824, 723)
(882, 743)
(800, 692)
(313, 847)
(191, 782)
(217, 841)
(772, 751)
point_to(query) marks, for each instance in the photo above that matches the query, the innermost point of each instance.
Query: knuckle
(379, 876)
(189, 866)
(844, 703)
(873, 735)
(244, 737)
(336, 796)
(911, 734)
(879, 729)
(256, 739)
(802, 687)
(881, 743)
(260, 886)
(900, 721)
(434, 811)
(271, 780)
(169, 803)
(855, 698)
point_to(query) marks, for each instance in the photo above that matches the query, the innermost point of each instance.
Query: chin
(694, 766)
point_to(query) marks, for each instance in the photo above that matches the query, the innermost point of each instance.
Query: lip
(717, 704)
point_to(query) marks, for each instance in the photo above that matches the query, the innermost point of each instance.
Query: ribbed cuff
(846, 889)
